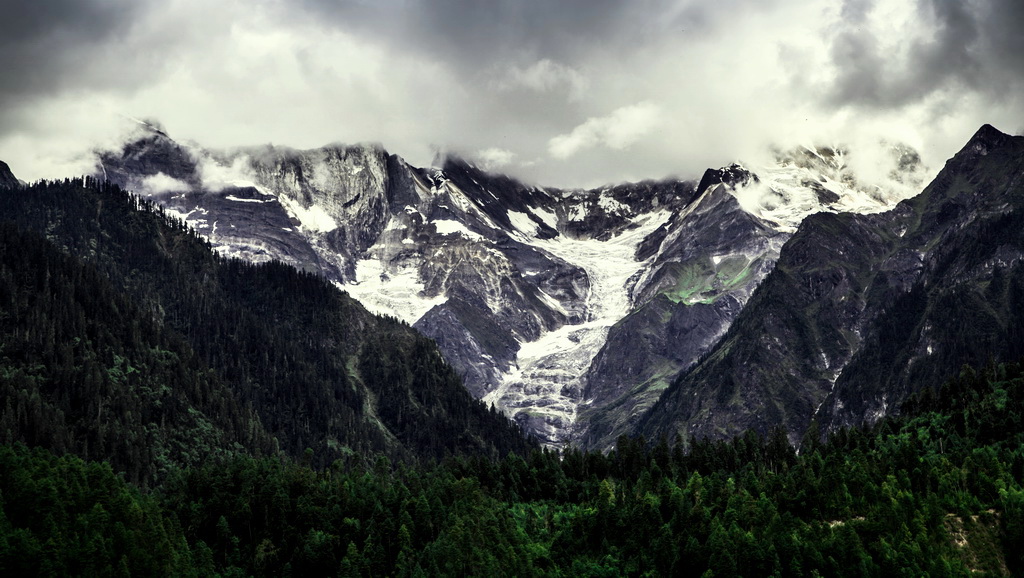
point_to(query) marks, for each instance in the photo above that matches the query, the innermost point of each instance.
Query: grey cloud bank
(567, 93)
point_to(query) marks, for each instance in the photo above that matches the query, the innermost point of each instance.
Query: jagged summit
(988, 134)
(733, 175)
(150, 161)
(985, 140)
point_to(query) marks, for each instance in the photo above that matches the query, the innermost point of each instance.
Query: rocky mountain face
(7, 178)
(862, 310)
(570, 310)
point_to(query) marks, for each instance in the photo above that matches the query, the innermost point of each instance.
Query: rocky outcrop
(339, 194)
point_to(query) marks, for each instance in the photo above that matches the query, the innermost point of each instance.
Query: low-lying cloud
(617, 131)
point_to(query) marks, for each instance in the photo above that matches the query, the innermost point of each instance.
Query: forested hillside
(126, 338)
(936, 492)
(83, 370)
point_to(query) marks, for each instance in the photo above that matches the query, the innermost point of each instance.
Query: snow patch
(172, 212)
(549, 218)
(611, 206)
(577, 213)
(523, 223)
(449, 227)
(241, 200)
(398, 292)
(315, 218)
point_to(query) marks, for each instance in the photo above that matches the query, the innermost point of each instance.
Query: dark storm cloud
(1003, 34)
(49, 44)
(977, 47)
(472, 33)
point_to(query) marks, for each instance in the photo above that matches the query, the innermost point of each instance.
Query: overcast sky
(572, 92)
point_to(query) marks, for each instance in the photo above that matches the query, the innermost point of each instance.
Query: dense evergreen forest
(168, 412)
(123, 337)
(934, 492)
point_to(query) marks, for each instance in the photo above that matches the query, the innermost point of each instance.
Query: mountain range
(796, 295)
(569, 310)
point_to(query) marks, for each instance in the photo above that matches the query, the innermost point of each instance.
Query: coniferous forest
(165, 411)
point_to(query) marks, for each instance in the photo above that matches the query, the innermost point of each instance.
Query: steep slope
(965, 303)
(862, 310)
(519, 285)
(286, 352)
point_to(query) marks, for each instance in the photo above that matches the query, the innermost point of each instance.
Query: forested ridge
(125, 338)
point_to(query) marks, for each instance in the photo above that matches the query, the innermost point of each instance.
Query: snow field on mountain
(449, 227)
(524, 224)
(314, 218)
(398, 294)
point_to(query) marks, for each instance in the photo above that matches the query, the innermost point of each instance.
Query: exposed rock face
(338, 193)
(862, 310)
(7, 178)
(569, 310)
